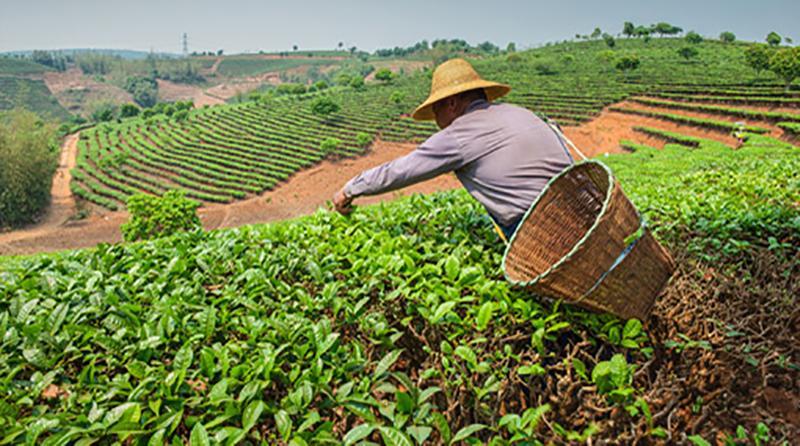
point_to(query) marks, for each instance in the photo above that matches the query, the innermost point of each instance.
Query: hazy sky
(250, 25)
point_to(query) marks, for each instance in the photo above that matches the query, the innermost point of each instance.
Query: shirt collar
(476, 104)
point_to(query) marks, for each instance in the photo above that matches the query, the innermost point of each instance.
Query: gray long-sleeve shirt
(503, 154)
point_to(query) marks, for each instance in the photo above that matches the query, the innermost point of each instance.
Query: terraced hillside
(230, 152)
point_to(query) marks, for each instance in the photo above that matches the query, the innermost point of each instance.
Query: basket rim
(568, 255)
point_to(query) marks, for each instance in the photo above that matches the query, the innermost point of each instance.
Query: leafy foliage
(153, 216)
(28, 155)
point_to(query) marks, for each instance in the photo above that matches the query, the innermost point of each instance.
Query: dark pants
(508, 230)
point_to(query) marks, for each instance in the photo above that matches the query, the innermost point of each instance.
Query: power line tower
(185, 45)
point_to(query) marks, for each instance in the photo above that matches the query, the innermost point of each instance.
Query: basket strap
(641, 230)
(564, 138)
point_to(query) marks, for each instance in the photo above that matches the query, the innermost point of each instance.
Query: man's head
(454, 85)
(451, 107)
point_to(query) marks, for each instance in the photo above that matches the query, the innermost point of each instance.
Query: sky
(250, 25)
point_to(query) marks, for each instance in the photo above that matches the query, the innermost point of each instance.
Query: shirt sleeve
(439, 154)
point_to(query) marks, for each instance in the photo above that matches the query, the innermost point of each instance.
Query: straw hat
(453, 77)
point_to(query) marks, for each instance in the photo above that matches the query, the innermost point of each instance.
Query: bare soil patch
(304, 193)
(76, 92)
(603, 134)
(170, 91)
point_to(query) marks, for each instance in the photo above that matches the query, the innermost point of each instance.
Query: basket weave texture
(584, 242)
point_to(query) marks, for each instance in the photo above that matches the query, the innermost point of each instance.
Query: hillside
(267, 139)
(31, 94)
(395, 325)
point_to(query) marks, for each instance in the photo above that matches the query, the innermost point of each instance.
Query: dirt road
(302, 194)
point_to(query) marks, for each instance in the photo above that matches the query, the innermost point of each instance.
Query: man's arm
(439, 154)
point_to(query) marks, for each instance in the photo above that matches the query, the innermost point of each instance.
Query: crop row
(689, 120)
(755, 100)
(721, 110)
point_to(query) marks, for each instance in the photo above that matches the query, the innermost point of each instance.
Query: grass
(16, 67)
(32, 95)
(239, 66)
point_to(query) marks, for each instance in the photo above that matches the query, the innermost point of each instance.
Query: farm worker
(503, 154)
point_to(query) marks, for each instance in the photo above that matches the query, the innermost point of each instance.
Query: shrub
(319, 85)
(154, 217)
(544, 68)
(384, 75)
(610, 41)
(627, 64)
(329, 145)
(291, 89)
(513, 58)
(687, 52)
(324, 106)
(357, 82)
(128, 111)
(103, 112)
(397, 97)
(693, 38)
(27, 162)
(363, 139)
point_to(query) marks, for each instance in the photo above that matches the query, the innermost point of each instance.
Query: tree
(663, 28)
(324, 107)
(220, 52)
(128, 111)
(28, 160)
(785, 63)
(511, 47)
(627, 63)
(727, 37)
(757, 57)
(629, 29)
(610, 41)
(774, 39)
(143, 89)
(341, 45)
(384, 75)
(294, 47)
(693, 38)
(688, 52)
(596, 33)
(642, 31)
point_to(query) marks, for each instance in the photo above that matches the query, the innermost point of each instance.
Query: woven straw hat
(453, 77)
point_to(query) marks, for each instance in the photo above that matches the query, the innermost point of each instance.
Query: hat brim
(493, 90)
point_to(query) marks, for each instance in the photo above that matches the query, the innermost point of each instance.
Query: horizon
(150, 26)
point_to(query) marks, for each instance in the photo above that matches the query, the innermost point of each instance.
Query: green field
(32, 95)
(13, 66)
(236, 66)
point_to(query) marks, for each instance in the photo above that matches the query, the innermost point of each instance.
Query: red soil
(309, 190)
(303, 194)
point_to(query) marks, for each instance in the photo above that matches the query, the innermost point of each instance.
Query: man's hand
(342, 202)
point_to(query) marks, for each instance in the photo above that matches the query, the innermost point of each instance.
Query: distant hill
(125, 54)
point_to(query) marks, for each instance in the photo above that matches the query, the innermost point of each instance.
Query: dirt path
(62, 206)
(304, 193)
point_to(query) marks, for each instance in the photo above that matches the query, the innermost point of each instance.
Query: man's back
(509, 155)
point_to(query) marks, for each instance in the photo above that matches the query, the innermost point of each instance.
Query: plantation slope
(395, 326)
(302, 194)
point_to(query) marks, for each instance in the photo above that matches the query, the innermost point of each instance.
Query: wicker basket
(583, 241)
